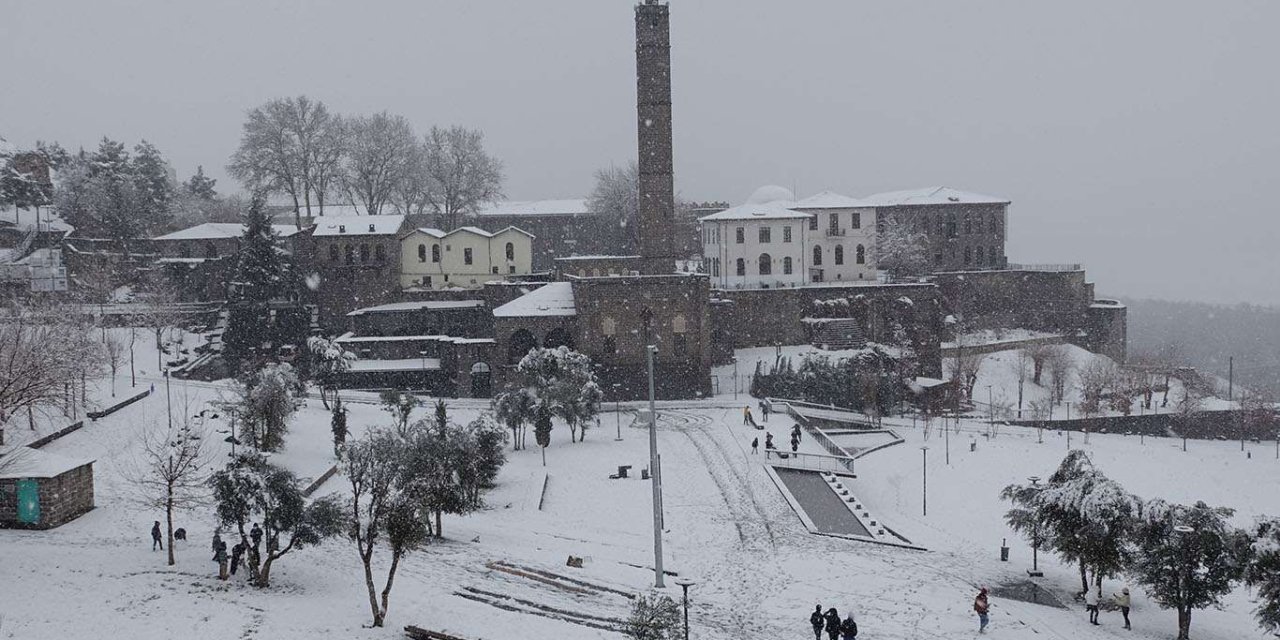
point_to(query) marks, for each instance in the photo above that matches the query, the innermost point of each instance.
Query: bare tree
(173, 471)
(160, 315)
(133, 370)
(113, 355)
(379, 149)
(1059, 367)
(412, 194)
(1021, 366)
(41, 356)
(325, 166)
(901, 249)
(267, 159)
(308, 122)
(616, 198)
(964, 369)
(1096, 378)
(463, 174)
(1040, 355)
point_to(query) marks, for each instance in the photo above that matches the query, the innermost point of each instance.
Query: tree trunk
(168, 517)
(1084, 579)
(386, 592)
(367, 558)
(133, 372)
(159, 352)
(439, 529)
(1184, 623)
(264, 574)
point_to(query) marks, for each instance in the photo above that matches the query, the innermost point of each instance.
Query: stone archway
(519, 344)
(558, 337)
(481, 380)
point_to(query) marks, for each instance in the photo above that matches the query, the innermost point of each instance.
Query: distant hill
(1206, 335)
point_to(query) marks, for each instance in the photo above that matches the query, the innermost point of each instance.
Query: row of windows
(348, 253)
(466, 253)
(951, 226)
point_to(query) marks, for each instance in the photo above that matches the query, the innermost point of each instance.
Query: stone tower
(653, 121)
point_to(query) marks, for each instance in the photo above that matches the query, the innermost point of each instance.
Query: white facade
(466, 257)
(823, 238)
(756, 246)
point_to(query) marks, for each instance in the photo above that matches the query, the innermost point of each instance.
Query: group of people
(1092, 603)
(836, 628)
(229, 563)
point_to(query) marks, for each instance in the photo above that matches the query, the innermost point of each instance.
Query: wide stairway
(840, 334)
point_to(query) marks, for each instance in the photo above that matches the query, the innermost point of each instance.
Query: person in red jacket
(981, 606)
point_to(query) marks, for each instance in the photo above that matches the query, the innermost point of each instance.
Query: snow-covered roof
(48, 221)
(766, 211)
(420, 305)
(554, 299)
(771, 193)
(407, 364)
(216, 230)
(930, 195)
(350, 338)
(25, 462)
(536, 208)
(828, 200)
(437, 233)
(358, 225)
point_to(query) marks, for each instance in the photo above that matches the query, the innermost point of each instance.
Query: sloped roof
(554, 299)
(25, 462)
(930, 195)
(358, 225)
(536, 208)
(766, 211)
(437, 233)
(828, 200)
(217, 230)
(419, 305)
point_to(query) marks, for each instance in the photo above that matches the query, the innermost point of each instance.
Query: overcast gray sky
(1139, 138)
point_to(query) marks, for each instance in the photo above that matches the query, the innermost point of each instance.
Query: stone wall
(1053, 301)
(62, 499)
(1107, 329)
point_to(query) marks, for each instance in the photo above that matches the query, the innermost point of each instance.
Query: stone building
(558, 228)
(466, 257)
(354, 261)
(964, 230)
(213, 240)
(40, 490)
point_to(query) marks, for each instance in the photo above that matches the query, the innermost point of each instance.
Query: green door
(28, 501)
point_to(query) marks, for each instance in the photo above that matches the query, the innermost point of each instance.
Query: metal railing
(810, 461)
(835, 232)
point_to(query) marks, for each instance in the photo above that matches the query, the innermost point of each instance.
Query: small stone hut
(40, 490)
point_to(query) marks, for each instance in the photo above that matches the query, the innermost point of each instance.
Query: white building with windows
(774, 241)
(466, 257)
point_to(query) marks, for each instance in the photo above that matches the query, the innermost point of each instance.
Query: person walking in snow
(981, 606)
(755, 445)
(156, 540)
(746, 416)
(795, 432)
(817, 621)
(237, 554)
(217, 540)
(1122, 600)
(255, 534)
(1091, 600)
(795, 444)
(220, 557)
(849, 628)
(833, 624)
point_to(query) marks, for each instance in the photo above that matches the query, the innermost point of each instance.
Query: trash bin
(1004, 550)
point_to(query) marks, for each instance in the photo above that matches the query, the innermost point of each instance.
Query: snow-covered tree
(901, 249)
(268, 159)
(1105, 517)
(266, 401)
(383, 504)
(250, 489)
(1095, 379)
(113, 355)
(263, 271)
(563, 381)
(329, 360)
(514, 407)
(463, 174)
(654, 617)
(41, 352)
(338, 425)
(154, 186)
(400, 404)
(380, 149)
(616, 199)
(172, 473)
(200, 186)
(1188, 557)
(1059, 366)
(1263, 572)
(452, 465)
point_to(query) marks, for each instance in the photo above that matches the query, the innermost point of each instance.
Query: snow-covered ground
(759, 571)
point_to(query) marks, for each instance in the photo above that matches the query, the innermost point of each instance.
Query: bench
(622, 472)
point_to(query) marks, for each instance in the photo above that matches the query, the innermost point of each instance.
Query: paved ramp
(823, 507)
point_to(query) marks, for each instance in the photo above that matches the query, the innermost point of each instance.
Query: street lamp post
(924, 475)
(617, 409)
(655, 474)
(735, 377)
(1035, 571)
(168, 398)
(685, 583)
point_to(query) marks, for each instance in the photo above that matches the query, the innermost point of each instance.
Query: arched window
(435, 253)
(860, 255)
(521, 342)
(422, 253)
(511, 251)
(982, 256)
(817, 256)
(678, 324)
(334, 254)
(351, 253)
(951, 225)
(608, 326)
(741, 266)
(364, 253)
(839, 254)
(786, 266)
(380, 253)
(765, 264)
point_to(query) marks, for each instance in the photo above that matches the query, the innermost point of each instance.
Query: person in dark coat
(795, 444)
(220, 557)
(255, 534)
(833, 624)
(180, 534)
(217, 539)
(237, 553)
(848, 628)
(755, 445)
(156, 540)
(982, 606)
(768, 441)
(795, 432)
(817, 622)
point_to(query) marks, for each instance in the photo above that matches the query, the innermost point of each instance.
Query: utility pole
(924, 476)
(655, 475)
(1231, 378)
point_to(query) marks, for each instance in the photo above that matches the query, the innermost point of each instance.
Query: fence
(839, 464)
(836, 451)
(94, 415)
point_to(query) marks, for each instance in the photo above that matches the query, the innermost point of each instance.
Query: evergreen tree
(1263, 572)
(154, 187)
(263, 272)
(201, 186)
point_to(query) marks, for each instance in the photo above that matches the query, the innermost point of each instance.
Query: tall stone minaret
(653, 111)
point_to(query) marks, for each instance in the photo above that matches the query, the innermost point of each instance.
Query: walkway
(828, 513)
